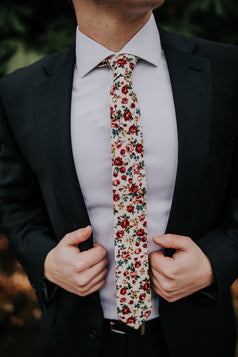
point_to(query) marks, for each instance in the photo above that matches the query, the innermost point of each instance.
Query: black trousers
(152, 344)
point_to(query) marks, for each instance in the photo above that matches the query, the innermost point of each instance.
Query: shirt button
(93, 333)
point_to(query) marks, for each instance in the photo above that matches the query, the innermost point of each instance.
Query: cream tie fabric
(134, 302)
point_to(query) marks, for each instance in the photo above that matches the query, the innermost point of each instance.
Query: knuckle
(67, 236)
(187, 240)
(82, 283)
(82, 294)
(80, 266)
(102, 251)
(167, 288)
(171, 271)
(102, 283)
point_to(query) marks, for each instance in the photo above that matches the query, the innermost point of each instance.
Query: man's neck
(112, 29)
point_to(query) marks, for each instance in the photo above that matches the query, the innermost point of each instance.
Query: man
(56, 186)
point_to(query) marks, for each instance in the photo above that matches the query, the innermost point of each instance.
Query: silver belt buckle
(113, 329)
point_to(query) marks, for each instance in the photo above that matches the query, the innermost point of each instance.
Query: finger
(172, 241)
(160, 281)
(91, 257)
(78, 236)
(93, 272)
(159, 263)
(164, 288)
(155, 284)
(93, 289)
(94, 285)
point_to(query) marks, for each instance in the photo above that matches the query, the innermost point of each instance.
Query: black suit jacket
(41, 199)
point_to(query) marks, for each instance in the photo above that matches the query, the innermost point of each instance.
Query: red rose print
(136, 169)
(130, 180)
(111, 111)
(118, 144)
(125, 310)
(124, 223)
(144, 239)
(123, 291)
(123, 299)
(146, 286)
(130, 320)
(125, 254)
(124, 100)
(138, 251)
(132, 66)
(122, 152)
(118, 161)
(130, 208)
(139, 148)
(137, 264)
(147, 313)
(133, 129)
(116, 197)
(134, 188)
(133, 274)
(115, 123)
(129, 148)
(122, 169)
(133, 105)
(144, 245)
(127, 115)
(139, 201)
(121, 62)
(142, 216)
(116, 182)
(145, 224)
(131, 302)
(124, 177)
(112, 91)
(126, 273)
(115, 174)
(124, 90)
(142, 296)
(120, 234)
(140, 232)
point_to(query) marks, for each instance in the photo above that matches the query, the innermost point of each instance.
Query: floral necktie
(134, 302)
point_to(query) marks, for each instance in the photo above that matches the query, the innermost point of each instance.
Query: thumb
(78, 236)
(172, 241)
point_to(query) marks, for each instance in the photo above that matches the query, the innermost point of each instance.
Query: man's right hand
(81, 273)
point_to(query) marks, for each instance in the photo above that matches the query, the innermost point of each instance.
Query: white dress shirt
(91, 143)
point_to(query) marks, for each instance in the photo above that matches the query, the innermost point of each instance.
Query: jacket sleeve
(22, 212)
(221, 244)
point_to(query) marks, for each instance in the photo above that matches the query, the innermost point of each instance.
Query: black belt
(120, 327)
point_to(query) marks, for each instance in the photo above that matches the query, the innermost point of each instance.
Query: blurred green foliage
(31, 29)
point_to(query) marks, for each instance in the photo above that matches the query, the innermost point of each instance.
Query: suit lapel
(191, 84)
(53, 106)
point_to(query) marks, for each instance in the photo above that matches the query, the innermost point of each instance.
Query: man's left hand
(188, 271)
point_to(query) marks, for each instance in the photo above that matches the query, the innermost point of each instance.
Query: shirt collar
(145, 44)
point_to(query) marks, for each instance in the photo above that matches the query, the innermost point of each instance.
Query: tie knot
(122, 65)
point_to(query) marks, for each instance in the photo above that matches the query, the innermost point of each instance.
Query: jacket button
(93, 333)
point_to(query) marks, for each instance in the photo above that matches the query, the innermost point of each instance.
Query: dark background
(29, 30)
